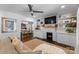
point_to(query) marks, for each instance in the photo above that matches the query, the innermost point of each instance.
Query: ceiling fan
(33, 11)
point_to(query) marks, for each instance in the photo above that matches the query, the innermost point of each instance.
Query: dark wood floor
(59, 44)
(66, 48)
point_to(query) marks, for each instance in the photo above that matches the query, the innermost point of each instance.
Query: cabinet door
(34, 33)
(72, 39)
(54, 37)
(59, 38)
(38, 34)
(67, 39)
(44, 35)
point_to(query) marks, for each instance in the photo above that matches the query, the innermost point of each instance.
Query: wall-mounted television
(50, 20)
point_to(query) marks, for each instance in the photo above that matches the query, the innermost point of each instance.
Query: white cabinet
(65, 38)
(54, 36)
(43, 33)
(38, 33)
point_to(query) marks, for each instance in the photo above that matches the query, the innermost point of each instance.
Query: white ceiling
(49, 9)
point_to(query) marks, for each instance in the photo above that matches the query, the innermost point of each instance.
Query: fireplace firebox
(49, 37)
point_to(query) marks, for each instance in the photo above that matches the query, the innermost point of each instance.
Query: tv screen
(50, 20)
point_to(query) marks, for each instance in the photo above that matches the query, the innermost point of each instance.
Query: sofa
(13, 45)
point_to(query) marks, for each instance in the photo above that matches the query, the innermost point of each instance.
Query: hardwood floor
(66, 48)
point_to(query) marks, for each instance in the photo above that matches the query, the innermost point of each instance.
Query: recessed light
(63, 6)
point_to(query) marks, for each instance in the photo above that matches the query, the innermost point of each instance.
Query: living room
(54, 24)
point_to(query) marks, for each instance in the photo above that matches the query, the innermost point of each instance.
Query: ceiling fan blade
(38, 11)
(30, 7)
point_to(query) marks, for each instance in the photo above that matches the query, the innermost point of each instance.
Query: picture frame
(8, 24)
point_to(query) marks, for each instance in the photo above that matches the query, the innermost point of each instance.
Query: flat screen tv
(50, 20)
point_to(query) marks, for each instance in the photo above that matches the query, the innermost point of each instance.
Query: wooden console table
(26, 36)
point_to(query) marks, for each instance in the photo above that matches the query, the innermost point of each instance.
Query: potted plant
(70, 27)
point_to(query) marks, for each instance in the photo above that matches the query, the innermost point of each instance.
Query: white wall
(19, 18)
(77, 37)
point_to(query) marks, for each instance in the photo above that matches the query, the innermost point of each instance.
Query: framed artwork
(8, 25)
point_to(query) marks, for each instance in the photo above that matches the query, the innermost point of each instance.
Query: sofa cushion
(6, 47)
(19, 46)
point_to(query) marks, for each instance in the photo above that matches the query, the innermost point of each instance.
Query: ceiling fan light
(62, 6)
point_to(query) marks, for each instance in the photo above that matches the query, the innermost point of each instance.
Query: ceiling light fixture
(63, 6)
